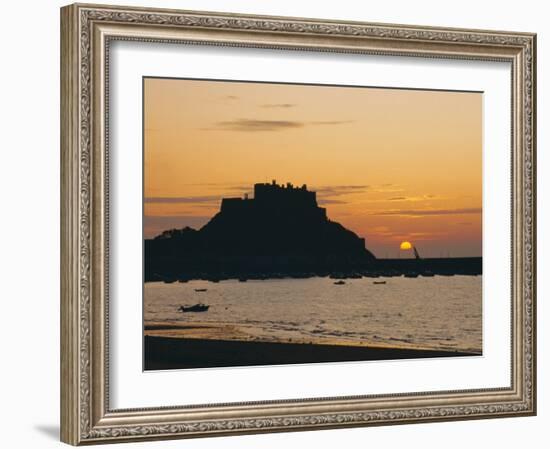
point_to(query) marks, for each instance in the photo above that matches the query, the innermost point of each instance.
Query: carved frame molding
(87, 31)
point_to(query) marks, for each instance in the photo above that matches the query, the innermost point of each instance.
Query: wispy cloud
(221, 185)
(387, 188)
(326, 194)
(252, 125)
(182, 200)
(255, 125)
(331, 122)
(338, 190)
(415, 198)
(384, 231)
(324, 202)
(278, 105)
(240, 188)
(429, 212)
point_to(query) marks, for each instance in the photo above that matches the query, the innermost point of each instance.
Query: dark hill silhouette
(282, 230)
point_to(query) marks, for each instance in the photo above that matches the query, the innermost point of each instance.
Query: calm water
(437, 312)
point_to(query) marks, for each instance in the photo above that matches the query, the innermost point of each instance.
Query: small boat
(243, 279)
(194, 308)
(340, 282)
(201, 289)
(379, 282)
(169, 281)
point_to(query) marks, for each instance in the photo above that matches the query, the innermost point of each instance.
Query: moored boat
(194, 308)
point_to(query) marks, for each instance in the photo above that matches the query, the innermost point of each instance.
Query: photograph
(288, 223)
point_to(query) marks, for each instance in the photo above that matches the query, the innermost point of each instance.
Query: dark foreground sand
(176, 352)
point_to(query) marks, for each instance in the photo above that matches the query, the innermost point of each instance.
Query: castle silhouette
(281, 229)
(277, 197)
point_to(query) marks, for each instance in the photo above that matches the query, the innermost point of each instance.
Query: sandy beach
(199, 345)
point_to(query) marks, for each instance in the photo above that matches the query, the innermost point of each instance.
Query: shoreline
(380, 268)
(170, 279)
(175, 352)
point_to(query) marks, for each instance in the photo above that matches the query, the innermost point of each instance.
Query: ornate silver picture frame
(87, 33)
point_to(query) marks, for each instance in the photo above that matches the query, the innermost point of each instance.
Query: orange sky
(389, 164)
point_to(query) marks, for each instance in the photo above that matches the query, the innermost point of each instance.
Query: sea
(440, 312)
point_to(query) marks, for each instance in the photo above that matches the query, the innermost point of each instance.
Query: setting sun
(405, 245)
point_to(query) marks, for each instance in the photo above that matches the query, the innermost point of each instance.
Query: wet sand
(206, 346)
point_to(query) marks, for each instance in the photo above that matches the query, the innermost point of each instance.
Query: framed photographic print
(275, 223)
